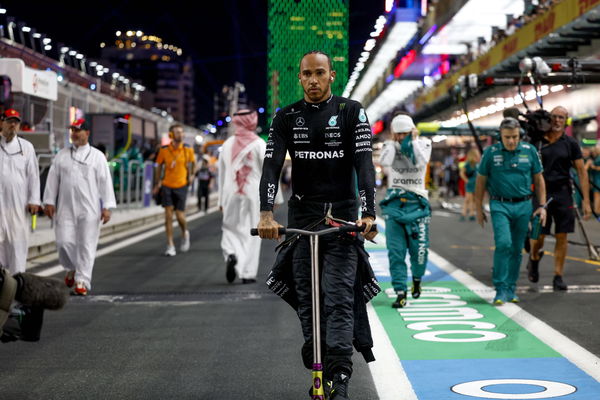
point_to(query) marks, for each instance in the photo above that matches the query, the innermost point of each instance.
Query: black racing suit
(330, 147)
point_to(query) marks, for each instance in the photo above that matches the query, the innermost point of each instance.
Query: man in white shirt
(19, 193)
(406, 206)
(78, 196)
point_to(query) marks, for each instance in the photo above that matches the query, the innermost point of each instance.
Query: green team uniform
(509, 179)
(406, 208)
(471, 172)
(595, 175)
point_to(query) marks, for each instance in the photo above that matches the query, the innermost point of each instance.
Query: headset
(521, 130)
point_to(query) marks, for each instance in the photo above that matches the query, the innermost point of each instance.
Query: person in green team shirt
(468, 173)
(506, 171)
(593, 165)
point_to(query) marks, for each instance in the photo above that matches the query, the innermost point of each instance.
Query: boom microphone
(37, 291)
(511, 112)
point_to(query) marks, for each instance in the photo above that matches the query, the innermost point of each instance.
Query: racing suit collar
(317, 106)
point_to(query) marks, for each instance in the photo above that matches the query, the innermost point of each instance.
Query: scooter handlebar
(341, 229)
(356, 228)
(254, 231)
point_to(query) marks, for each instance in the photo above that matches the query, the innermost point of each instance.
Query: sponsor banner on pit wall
(28, 80)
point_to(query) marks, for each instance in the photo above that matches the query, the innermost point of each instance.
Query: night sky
(226, 39)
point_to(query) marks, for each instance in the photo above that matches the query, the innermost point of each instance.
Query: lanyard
(175, 158)
(84, 160)
(13, 154)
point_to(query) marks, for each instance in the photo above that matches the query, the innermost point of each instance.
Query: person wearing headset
(559, 154)
(507, 170)
(177, 161)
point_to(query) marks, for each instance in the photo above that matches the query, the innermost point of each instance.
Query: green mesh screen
(298, 26)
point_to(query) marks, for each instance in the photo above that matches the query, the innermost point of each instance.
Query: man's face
(177, 134)
(79, 137)
(10, 126)
(316, 77)
(559, 119)
(510, 138)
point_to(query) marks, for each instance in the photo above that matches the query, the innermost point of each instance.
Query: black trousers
(338, 263)
(203, 194)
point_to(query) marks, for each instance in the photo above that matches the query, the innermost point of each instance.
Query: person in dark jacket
(329, 141)
(204, 175)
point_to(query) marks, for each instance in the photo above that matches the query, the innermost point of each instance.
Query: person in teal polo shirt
(468, 173)
(506, 171)
(593, 165)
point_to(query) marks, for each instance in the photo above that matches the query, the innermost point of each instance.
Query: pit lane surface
(453, 344)
(168, 328)
(161, 328)
(574, 313)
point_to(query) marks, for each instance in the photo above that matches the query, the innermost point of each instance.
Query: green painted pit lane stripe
(507, 339)
(527, 337)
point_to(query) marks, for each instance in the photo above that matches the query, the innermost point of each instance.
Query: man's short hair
(560, 108)
(172, 127)
(510, 123)
(318, 52)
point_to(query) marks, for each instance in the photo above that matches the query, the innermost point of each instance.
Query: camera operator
(559, 153)
(23, 299)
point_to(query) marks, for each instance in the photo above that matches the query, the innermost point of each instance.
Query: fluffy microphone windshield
(512, 112)
(37, 291)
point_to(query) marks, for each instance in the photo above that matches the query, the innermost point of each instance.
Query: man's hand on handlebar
(268, 228)
(368, 222)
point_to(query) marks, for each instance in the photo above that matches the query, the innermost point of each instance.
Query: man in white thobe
(240, 168)
(19, 193)
(79, 194)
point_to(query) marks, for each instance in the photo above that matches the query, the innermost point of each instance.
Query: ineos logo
(299, 121)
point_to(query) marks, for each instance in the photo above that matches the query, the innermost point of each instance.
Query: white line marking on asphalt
(532, 288)
(573, 352)
(128, 242)
(51, 271)
(389, 377)
(443, 214)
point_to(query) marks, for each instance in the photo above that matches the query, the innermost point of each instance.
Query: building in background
(161, 67)
(229, 100)
(296, 27)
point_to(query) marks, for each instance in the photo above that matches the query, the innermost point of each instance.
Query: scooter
(318, 392)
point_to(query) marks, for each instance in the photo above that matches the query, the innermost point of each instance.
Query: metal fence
(133, 181)
(130, 182)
